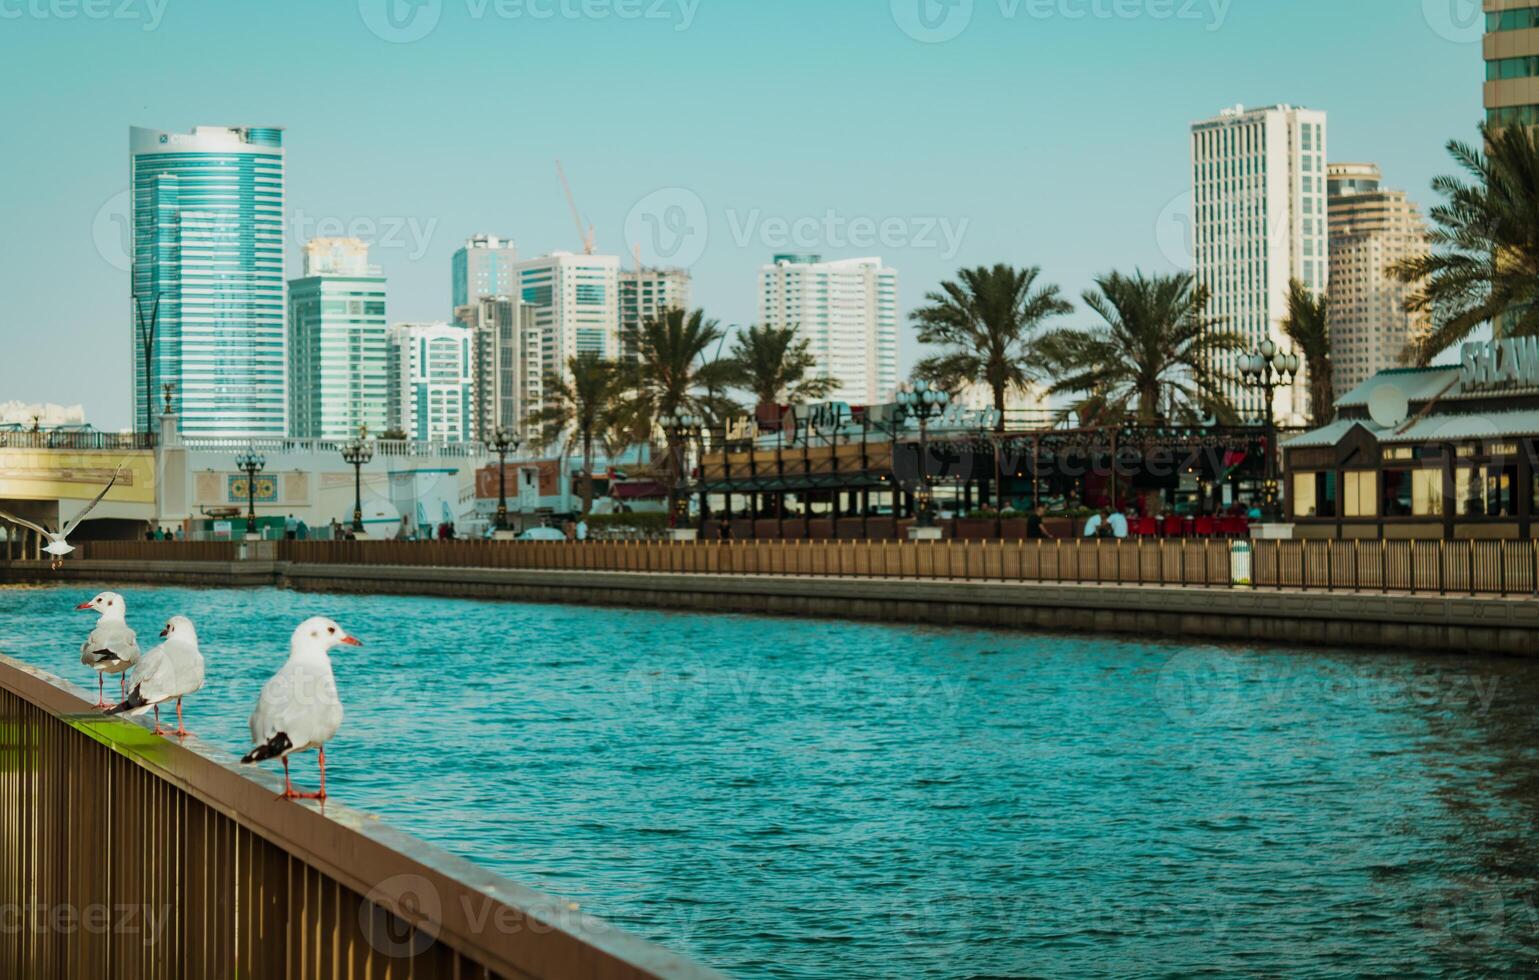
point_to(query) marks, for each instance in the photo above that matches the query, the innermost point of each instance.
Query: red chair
(1146, 527)
(1172, 527)
(1232, 527)
(1204, 527)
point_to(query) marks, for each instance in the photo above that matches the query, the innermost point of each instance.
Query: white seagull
(57, 546)
(112, 647)
(299, 708)
(172, 670)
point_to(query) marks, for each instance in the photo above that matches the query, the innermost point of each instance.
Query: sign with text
(1488, 364)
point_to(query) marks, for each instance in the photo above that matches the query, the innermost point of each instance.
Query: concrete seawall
(1339, 619)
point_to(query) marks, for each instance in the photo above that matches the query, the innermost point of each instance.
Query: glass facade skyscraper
(337, 344)
(208, 246)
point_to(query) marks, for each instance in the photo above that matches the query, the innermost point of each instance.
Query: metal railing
(123, 855)
(1496, 567)
(75, 440)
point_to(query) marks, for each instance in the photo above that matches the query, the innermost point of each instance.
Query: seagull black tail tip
(128, 704)
(276, 746)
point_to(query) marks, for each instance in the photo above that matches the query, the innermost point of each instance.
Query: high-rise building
(208, 249)
(337, 348)
(848, 313)
(431, 382)
(646, 294)
(483, 266)
(508, 364)
(1512, 62)
(576, 305)
(1259, 220)
(1371, 228)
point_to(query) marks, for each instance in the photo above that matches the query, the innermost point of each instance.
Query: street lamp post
(251, 463)
(1268, 368)
(503, 442)
(680, 428)
(356, 453)
(147, 347)
(924, 402)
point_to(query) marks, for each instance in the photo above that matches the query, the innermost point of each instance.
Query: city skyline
(1051, 187)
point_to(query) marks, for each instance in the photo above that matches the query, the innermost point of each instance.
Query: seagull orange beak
(84, 605)
(351, 641)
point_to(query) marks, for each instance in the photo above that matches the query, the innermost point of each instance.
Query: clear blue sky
(1049, 132)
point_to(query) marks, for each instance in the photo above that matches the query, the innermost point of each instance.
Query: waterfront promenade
(1451, 596)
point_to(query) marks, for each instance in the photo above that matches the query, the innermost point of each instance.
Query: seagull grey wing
(300, 702)
(40, 529)
(110, 641)
(73, 523)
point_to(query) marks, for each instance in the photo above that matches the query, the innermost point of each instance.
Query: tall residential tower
(483, 266)
(1371, 229)
(208, 249)
(645, 294)
(337, 347)
(848, 313)
(1512, 62)
(576, 303)
(1259, 214)
(431, 382)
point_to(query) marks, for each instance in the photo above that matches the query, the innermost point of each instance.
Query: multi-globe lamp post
(251, 463)
(1269, 368)
(355, 454)
(503, 442)
(681, 428)
(923, 402)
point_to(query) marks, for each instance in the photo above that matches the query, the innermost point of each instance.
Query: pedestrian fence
(1445, 567)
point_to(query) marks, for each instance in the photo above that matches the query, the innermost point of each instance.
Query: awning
(640, 490)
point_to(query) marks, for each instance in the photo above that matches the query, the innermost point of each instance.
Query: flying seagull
(57, 546)
(112, 647)
(170, 671)
(299, 708)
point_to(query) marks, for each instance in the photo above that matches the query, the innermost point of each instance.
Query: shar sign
(1491, 363)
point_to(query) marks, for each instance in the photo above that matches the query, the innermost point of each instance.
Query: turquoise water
(820, 799)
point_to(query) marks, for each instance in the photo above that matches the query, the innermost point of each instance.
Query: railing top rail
(551, 938)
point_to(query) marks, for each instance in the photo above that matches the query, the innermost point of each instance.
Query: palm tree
(986, 320)
(773, 364)
(1308, 326)
(1152, 358)
(1484, 264)
(672, 376)
(579, 410)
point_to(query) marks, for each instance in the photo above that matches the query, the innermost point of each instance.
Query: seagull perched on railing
(299, 708)
(112, 647)
(57, 546)
(172, 670)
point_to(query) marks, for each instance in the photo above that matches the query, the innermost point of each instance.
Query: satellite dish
(1388, 406)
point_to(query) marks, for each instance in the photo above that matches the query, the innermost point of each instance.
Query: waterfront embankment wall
(1459, 624)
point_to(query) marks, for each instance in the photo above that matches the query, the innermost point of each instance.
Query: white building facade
(1259, 221)
(431, 382)
(646, 294)
(847, 311)
(507, 351)
(576, 305)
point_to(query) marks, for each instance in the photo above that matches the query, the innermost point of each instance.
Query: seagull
(57, 546)
(299, 708)
(112, 647)
(172, 670)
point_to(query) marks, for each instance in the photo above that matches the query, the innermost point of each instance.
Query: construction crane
(571, 202)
